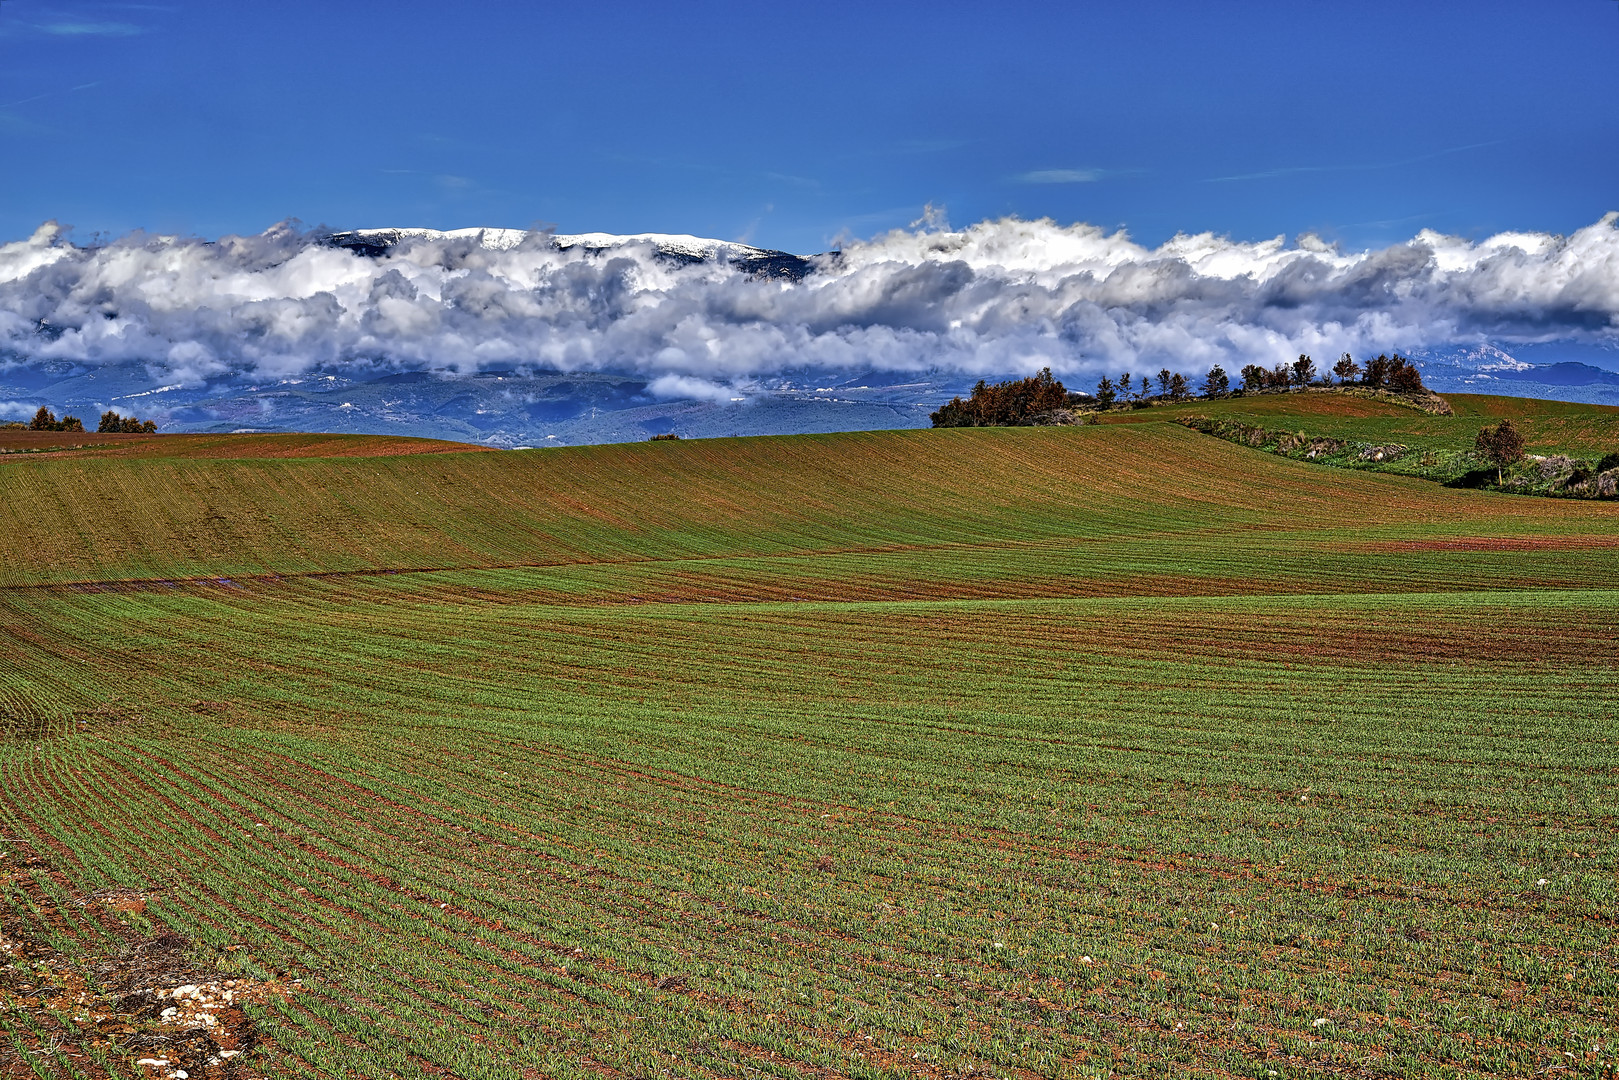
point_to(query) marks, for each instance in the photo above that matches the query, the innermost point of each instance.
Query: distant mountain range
(1491, 370)
(676, 246)
(525, 407)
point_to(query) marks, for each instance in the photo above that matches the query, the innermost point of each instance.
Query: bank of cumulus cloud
(997, 297)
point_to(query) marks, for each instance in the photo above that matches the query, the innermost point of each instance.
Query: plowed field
(985, 753)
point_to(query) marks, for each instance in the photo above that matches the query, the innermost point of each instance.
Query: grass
(93, 519)
(996, 753)
(1549, 427)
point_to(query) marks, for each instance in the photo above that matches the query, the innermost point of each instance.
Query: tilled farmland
(986, 753)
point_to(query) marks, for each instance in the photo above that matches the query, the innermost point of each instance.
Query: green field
(1549, 427)
(998, 752)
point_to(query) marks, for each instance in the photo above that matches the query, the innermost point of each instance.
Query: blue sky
(793, 125)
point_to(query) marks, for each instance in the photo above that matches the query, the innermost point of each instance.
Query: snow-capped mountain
(1488, 369)
(530, 337)
(678, 246)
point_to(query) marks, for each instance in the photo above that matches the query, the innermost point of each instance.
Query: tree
(1403, 376)
(1303, 371)
(1253, 377)
(45, 420)
(1377, 372)
(112, 422)
(1216, 382)
(1106, 393)
(1012, 403)
(1164, 379)
(1281, 377)
(1501, 445)
(1124, 385)
(1178, 390)
(1346, 369)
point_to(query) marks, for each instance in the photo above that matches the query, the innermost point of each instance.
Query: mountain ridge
(679, 247)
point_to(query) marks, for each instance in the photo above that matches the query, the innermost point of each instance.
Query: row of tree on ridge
(1037, 398)
(111, 422)
(1394, 373)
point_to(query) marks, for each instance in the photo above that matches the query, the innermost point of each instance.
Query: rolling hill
(994, 752)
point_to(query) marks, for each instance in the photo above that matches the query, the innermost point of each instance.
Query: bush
(1014, 403)
(1611, 461)
(666, 437)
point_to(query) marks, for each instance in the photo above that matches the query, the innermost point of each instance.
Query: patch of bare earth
(145, 1002)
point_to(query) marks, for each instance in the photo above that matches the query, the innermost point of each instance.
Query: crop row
(492, 834)
(85, 519)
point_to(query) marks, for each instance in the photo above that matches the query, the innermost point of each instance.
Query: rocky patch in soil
(145, 1000)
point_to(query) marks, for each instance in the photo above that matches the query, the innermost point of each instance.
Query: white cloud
(1061, 176)
(69, 28)
(685, 386)
(996, 297)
